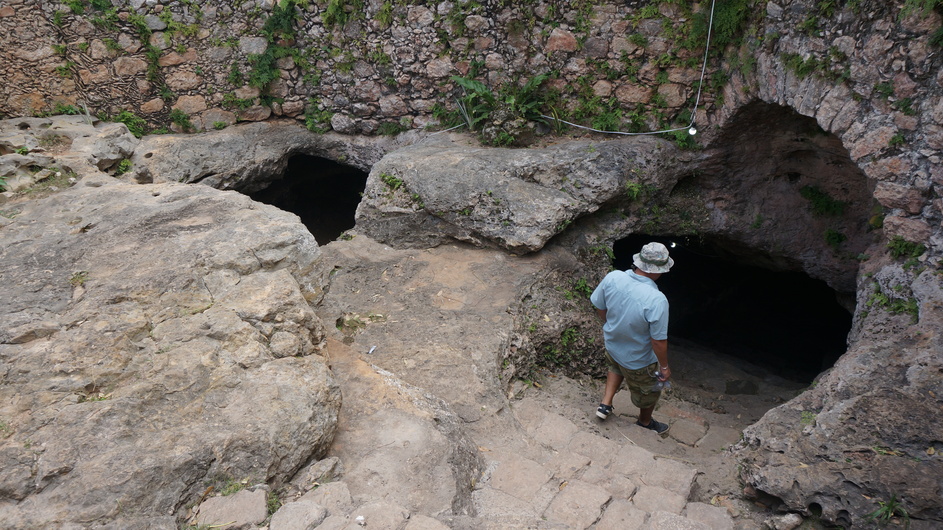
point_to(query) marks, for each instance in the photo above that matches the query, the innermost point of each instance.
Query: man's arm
(601, 314)
(661, 351)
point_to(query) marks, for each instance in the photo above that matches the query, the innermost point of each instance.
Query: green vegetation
(135, 124)
(317, 120)
(936, 38)
(834, 238)
(634, 189)
(808, 417)
(579, 289)
(638, 39)
(56, 181)
(181, 119)
(336, 12)
(76, 6)
(884, 90)
(391, 128)
(385, 15)
(272, 503)
(810, 25)
(479, 101)
(219, 125)
(897, 140)
(392, 182)
(569, 337)
(235, 76)
(921, 7)
(112, 45)
(894, 305)
(176, 28)
(605, 250)
(888, 510)
(906, 106)
(230, 101)
(826, 8)
(379, 57)
(231, 486)
(799, 66)
(833, 66)
(730, 18)
(152, 54)
(553, 355)
(65, 70)
(123, 167)
(79, 278)
(901, 248)
(821, 202)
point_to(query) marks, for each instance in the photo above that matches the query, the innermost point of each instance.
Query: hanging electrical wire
(697, 100)
(692, 130)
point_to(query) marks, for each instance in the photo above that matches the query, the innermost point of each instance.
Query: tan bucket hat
(653, 259)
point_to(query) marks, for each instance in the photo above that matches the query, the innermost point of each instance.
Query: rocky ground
(195, 326)
(430, 314)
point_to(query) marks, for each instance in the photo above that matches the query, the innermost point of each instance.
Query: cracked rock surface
(155, 338)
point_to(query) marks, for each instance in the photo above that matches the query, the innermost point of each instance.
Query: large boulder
(444, 188)
(157, 340)
(869, 430)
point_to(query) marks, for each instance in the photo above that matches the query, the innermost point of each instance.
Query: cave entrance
(785, 322)
(323, 193)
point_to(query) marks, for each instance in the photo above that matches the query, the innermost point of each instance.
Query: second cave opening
(323, 193)
(783, 321)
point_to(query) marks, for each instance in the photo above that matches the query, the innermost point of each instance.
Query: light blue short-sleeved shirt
(636, 313)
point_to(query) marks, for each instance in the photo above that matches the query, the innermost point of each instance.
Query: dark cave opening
(785, 322)
(323, 193)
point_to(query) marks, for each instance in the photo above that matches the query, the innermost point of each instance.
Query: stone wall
(865, 71)
(389, 62)
(871, 77)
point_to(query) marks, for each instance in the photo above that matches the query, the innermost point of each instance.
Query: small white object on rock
(788, 521)
(361, 520)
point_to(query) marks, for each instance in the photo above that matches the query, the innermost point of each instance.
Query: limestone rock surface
(247, 157)
(157, 340)
(80, 144)
(443, 188)
(868, 430)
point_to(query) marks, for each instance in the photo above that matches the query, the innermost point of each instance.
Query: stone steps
(583, 480)
(545, 472)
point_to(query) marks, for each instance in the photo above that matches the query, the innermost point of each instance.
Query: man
(635, 313)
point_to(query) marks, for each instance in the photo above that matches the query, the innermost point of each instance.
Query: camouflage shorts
(639, 382)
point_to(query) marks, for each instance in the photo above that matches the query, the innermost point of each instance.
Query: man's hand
(661, 352)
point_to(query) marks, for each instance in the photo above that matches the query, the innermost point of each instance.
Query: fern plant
(479, 101)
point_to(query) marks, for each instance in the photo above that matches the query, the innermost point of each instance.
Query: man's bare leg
(613, 382)
(645, 415)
